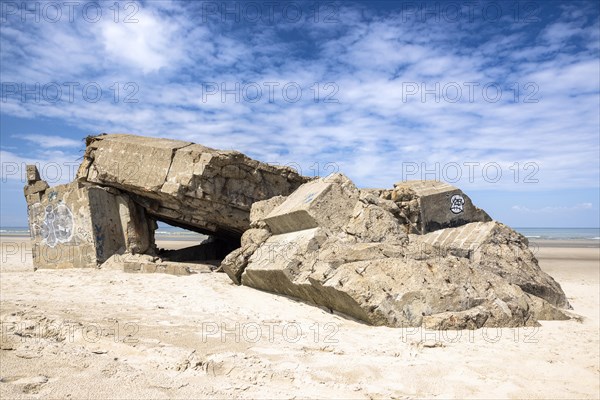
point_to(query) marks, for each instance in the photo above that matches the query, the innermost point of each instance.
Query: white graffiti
(457, 204)
(56, 226)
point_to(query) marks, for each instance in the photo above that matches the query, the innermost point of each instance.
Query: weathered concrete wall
(81, 225)
(185, 184)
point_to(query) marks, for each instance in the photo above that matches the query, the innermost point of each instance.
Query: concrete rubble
(142, 263)
(478, 274)
(419, 254)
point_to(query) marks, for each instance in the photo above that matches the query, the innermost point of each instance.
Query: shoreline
(565, 243)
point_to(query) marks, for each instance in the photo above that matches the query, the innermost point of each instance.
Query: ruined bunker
(418, 254)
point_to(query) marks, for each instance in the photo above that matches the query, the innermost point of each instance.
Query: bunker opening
(176, 243)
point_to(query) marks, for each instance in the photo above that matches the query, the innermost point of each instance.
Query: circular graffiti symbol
(457, 204)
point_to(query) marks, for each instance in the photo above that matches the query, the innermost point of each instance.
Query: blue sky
(498, 98)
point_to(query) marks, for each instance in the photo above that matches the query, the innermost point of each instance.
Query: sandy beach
(108, 334)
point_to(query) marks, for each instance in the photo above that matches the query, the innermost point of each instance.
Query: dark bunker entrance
(176, 243)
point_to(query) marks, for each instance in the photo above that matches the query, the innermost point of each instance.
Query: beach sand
(107, 334)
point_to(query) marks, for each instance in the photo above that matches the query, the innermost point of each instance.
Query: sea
(173, 233)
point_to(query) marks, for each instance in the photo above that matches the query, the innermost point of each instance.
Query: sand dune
(109, 334)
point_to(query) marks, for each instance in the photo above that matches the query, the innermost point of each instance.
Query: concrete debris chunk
(496, 248)
(139, 263)
(433, 205)
(33, 175)
(326, 202)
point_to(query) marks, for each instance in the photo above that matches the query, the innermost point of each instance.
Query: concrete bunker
(420, 254)
(126, 183)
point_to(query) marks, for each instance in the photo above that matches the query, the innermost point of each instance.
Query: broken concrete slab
(187, 185)
(274, 266)
(434, 205)
(462, 241)
(261, 209)
(140, 263)
(325, 202)
(236, 261)
(495, 247)
(402, 292)
(384, 290)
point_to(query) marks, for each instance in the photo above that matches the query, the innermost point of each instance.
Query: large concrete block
(276, 266)
(378, 283)
(494, 247)
(184, 184)
(326, 202)
(131, 163)
(440, 205)
(80, 226)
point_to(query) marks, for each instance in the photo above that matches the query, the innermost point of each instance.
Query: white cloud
(148, 44)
